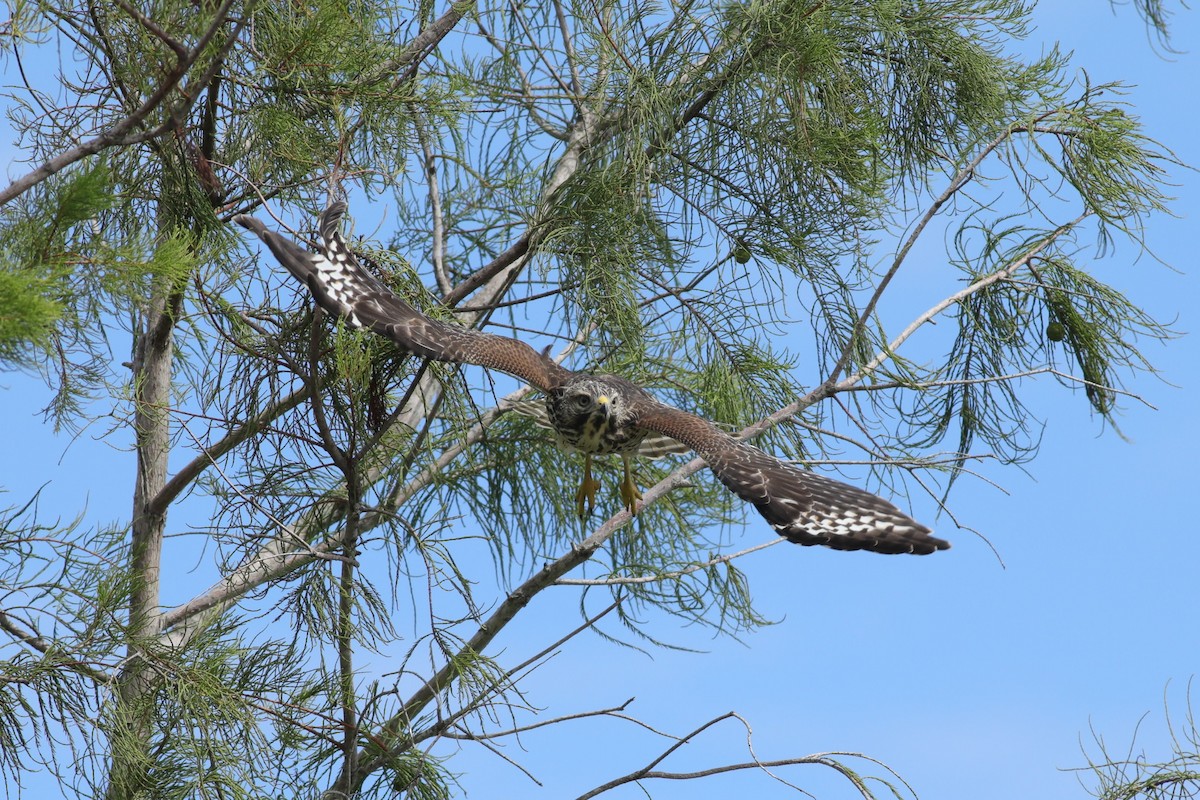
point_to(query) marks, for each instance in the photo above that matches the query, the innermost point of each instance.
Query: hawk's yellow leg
(629, 490)
(585, 498)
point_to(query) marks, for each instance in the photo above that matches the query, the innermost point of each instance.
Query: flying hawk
(602, 414)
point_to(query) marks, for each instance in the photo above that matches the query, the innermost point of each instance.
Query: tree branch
(122, 133)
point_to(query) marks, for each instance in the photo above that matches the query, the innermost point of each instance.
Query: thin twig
(619, 581)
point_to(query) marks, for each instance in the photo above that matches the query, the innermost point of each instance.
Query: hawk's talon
(585, 498)
(630, 493)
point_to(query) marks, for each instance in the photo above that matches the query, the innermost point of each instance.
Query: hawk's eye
(581, 400)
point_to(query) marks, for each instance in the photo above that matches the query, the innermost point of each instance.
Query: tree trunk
(153, 361)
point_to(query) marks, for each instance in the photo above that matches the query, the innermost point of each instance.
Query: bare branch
(830, 759)
(210, 455)
(438, 246)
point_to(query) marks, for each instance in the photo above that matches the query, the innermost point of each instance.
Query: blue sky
(971, 679)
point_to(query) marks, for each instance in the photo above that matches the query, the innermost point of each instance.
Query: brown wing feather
(344, 288)
(801, 506)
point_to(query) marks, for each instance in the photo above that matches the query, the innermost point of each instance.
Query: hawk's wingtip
(250, 223)
(332, 215)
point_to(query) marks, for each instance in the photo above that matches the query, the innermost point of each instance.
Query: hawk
(603, 414)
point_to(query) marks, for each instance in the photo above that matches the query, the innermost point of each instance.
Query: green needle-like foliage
(325, 538)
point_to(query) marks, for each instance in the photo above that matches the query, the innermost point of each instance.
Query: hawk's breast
(600, 434)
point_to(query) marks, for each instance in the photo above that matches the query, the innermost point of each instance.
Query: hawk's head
(594, 413)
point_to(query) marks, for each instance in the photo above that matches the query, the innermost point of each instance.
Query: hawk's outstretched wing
(801, 506)
(343, 288)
